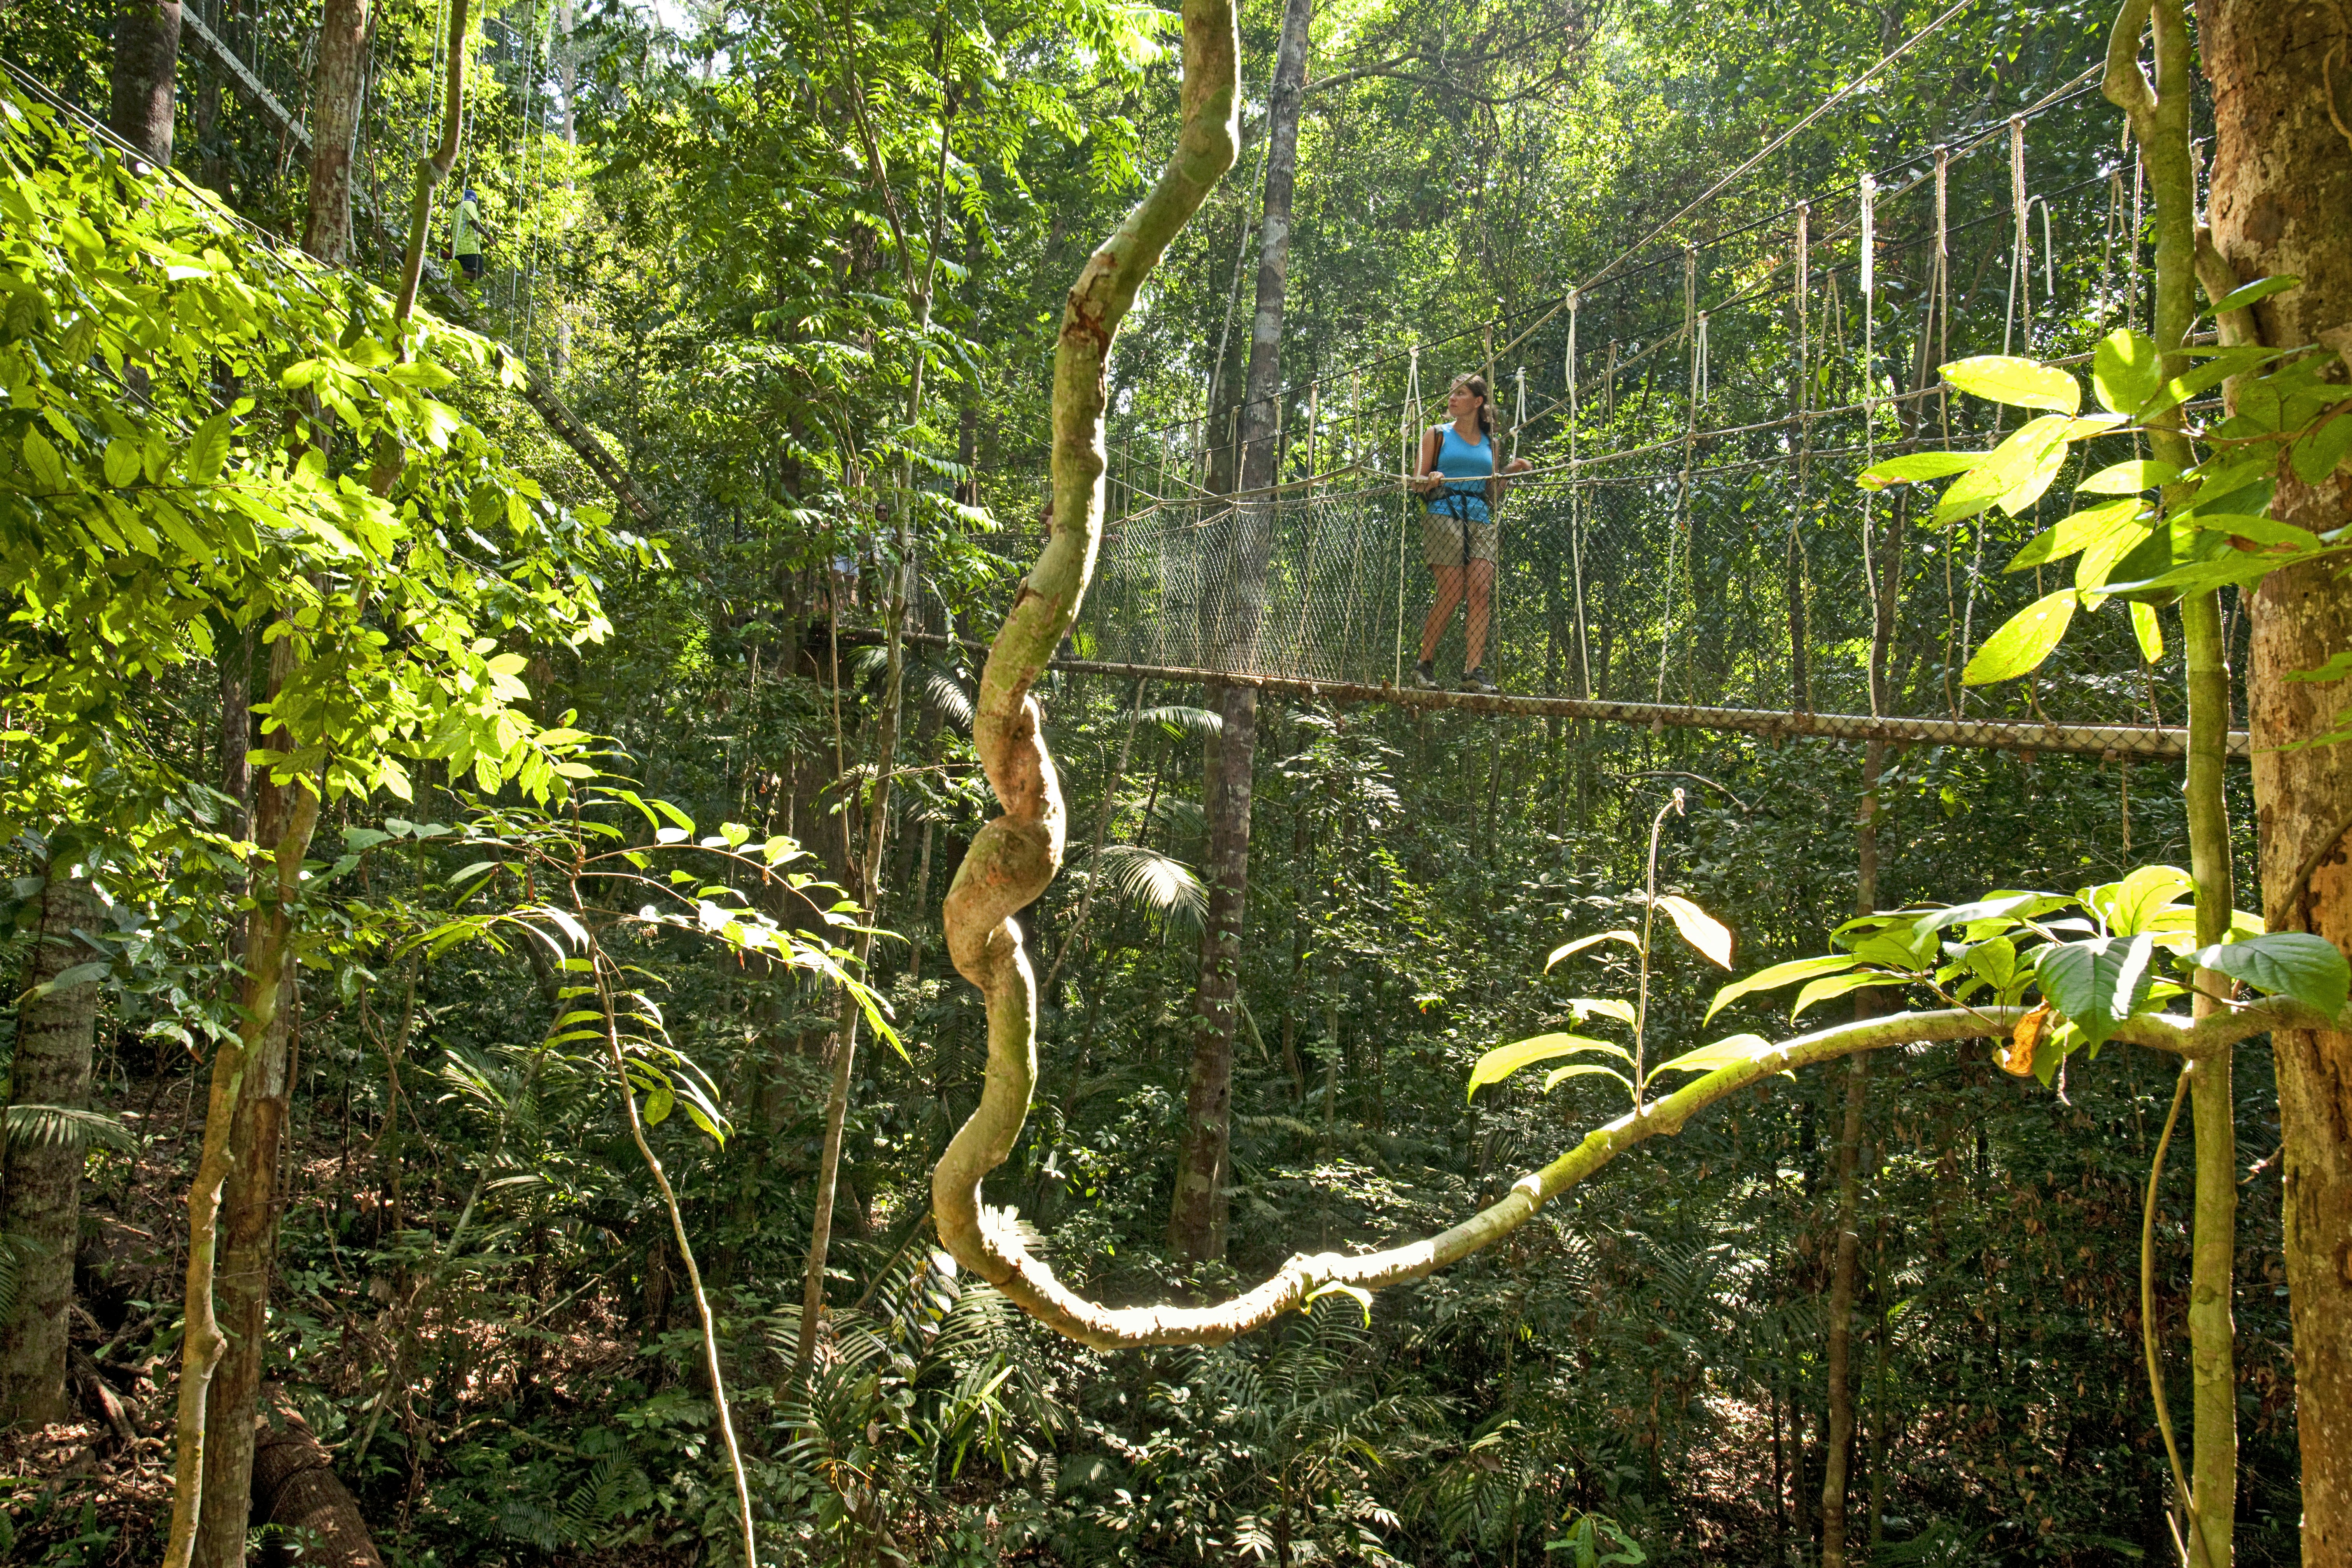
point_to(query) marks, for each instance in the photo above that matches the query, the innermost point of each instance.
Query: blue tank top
(1463, 460)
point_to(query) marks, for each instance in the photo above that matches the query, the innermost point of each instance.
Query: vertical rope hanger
(1577, 504)
(1868, 280)
(2020, 261)
(1798, 563)
(1692, 329)
(1408, 430)
(1942, 306)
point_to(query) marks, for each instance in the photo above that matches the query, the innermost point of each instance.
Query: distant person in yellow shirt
(466, 234)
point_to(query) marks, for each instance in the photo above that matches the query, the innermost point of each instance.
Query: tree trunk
(146, 58)
(1196, 1218)
(40, 1177)
(2282, 184)
(295, 1487)
(1837, 1449)
(335, 87)
(249, 1214)
(221, 1228)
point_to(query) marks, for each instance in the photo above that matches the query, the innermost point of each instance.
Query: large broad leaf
(1779, 974)
(1830, 985)
(2020, 383)
(2125, 370)
(2254, 293)
(2133, 905)
(1558, 1075)
(2023, 641)
(1722, 1054)
(2097, 984)
(2149, 631)
(2130, 479)
(2317, 455)
(1913, 466)
(2081, 530)
(2013, 474)
(1568, 949)
(2005, 906)
(1504, 1060)
(2284, 963)
(1701, 929)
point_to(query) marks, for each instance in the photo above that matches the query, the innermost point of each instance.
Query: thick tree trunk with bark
(40, 1177)
(295, 1487)
(1196, 1218)
(2281, 202)
(146, 57)
(335, 86)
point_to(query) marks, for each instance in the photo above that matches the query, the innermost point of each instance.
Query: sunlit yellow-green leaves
(2023, 641)
(2125, 370)
(1501, 1062)
(2019, 383)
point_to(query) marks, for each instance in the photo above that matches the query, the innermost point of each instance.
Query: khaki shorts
(1442, 536)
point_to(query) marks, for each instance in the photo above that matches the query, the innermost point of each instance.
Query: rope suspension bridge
(1691, 547)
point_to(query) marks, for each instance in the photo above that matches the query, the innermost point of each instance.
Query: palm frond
(1151, 881)
(1180, 721)
(941, 691)
(58, 1125)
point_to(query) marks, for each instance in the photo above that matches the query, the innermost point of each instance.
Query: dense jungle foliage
(609, 818)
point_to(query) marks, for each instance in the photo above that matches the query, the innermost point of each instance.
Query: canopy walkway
(1693, 548)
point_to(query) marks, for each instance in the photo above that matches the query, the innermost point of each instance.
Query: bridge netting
(1694, 532)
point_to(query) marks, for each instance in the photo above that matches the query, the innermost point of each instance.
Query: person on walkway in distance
(466, 234)
(1457, 527)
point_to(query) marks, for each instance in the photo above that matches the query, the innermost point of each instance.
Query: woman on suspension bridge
(1457, 528)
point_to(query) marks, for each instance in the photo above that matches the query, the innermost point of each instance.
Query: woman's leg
(1449, 594)
(1482, 599)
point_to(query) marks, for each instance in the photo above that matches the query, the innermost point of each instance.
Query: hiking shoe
(1475, 681)
(1425, 678)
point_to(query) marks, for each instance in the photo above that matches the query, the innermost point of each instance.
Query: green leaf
(1607, 1006)
(2002, 906)
(660, 1102)
(48, 469)
(2013, 475)
(2148, 630)
(2254, 293)
(2132, 906)
(2293, 964)
(1830, 985)
(208, 449)
(1710, 936)
(121, 463)
(1504, 1060)
(78, 975)
(2130, 478)
(2317, 455)
(1569, 949)
(1916, 466)
(2259, 530)
(2097, 984)
(2024, 642)
(1724, 1053)
(1558, 1075)
(2079, 530)
(1775, 977)
(2126, 370)
(2020, 383)
(2337, 666)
